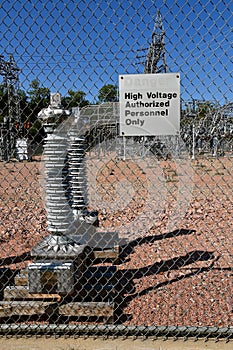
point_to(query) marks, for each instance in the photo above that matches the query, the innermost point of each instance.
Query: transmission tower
(156, 56)
(9, 71)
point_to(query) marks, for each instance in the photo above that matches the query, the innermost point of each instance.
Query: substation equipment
(63, 260)
(73, 234)
(72, 228)
(211, 134)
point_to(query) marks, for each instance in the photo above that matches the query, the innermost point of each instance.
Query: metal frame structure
(9, 71)
(156, 56)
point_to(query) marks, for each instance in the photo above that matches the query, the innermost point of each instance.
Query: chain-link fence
(101, 232)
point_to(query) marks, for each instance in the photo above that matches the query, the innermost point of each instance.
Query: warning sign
(149, 104)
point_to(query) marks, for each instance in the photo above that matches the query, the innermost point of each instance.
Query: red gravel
(176, 276)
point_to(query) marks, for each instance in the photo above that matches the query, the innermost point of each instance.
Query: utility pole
(9, 71)
(156, 56)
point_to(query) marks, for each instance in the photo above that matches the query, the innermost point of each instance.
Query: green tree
(24, 110)
(75, 99)
(39, 98)
(19, 105)
(203, 108)
(108, 93)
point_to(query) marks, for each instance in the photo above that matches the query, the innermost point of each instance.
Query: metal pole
(193, 148)
(124, 148)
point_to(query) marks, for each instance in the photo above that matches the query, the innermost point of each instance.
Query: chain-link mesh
(134, 232)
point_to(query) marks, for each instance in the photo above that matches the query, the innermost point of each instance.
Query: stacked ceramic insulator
(59, 212)
(77, 171)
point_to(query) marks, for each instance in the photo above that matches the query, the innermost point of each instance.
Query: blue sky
(82, 45)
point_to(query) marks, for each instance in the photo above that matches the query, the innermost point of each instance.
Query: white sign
(149, 104)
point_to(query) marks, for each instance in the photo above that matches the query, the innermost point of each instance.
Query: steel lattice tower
(156, 56)
(9, 71)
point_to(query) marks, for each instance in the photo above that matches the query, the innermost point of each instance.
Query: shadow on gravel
(129, 248)
(126, 278)
(124, 300)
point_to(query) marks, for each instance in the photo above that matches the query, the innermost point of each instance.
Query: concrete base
(105, 240)
(54, 343)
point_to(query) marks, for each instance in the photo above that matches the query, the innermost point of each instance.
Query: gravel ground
(179, 271)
